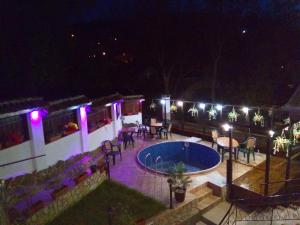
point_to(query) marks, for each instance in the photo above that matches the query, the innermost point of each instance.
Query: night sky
(50, 48)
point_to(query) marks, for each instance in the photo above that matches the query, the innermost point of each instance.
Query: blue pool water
(164, 156)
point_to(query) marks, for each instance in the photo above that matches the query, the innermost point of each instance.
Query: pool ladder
(146, 157)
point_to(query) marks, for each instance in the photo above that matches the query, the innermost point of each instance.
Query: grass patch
(128, 206)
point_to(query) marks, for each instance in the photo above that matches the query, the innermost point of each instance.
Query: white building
(35, 134)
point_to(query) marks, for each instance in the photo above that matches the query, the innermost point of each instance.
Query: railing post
(267, 169)
(107, 168)
(171, 193)
(229, 167)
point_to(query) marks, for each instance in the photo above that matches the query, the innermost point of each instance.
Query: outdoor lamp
(180, 103)
(202, 106)
(219, 107)
(34, 115)
(226, 127)
(108, 104)
(162, 101)
(271, 133)
(245, 110)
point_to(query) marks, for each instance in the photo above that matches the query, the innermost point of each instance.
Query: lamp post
(228, 129)
(268, 156)
(110, 214)
(171, 192)
(3, 216)
(180, 105)
(164, 104)
(107, 168)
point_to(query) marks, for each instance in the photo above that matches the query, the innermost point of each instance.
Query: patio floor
(132, 175)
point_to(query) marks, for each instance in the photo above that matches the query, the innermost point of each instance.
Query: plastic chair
(248, 148)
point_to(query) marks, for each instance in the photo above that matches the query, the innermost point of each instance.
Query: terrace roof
(20, 106)
(67, 103)
(133, 97)
(107, 99)
(25, 105)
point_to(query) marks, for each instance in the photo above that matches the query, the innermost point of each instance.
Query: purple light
(82, 113)
(34, 115)
(142, 100)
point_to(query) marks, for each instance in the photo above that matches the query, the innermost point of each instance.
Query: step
(203, 192)
(201, 223)
(208, 202)
(216, 214)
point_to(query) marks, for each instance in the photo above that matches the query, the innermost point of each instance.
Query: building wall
(63, 148)
(96, 138)
(133, 118)
(13, 154)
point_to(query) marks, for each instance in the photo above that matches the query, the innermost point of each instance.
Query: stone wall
(52, 210)
(175, 216)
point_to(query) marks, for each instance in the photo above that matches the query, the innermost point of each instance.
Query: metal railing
(286, 184)
(234, 213)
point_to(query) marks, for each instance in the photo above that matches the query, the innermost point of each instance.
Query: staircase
(289, 214)
(205, 196)
(206, 199)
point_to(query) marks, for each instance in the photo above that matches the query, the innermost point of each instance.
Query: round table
(223, 144)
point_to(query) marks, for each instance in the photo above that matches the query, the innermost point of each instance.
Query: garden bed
(127, 206)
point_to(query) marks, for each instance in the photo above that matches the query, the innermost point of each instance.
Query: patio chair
(214, 135)
(112, 150)
(153, 121)
(167, 130)
(139, 130)
(248, 148)
(128, 139)
(153, 131)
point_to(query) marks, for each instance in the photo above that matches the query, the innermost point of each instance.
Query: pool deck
(131, 174)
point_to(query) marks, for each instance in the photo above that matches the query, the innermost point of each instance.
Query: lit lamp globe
(219, 107)
(162, 101)
(226, 127)
(202, 106)
(245, 110)
(180, 103)
(271, 133)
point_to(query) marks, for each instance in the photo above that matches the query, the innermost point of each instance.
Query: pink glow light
(82, 113)
(34, 115)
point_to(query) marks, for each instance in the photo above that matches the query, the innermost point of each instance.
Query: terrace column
(116, 117)
(166, 108)
(82, 122)
(37, 140)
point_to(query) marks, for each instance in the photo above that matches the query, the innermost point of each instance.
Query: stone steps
(208, 202)
(203, 192)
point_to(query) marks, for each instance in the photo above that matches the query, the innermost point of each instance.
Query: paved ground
(132, 175)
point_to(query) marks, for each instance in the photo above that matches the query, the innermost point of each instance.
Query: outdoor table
(157, 125)
(223, 144)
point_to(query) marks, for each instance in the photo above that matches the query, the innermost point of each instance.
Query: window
(98, 117)
(13, 131)
(131, 107)
(60, 125)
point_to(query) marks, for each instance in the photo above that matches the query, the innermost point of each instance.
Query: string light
(162, 101)
(201, 106)
(180, 103)
(219, 107)
(245, 110)
(226, 127)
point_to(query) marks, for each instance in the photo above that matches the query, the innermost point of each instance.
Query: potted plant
(179, 181)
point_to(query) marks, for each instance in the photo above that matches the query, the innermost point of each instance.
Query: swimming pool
(162, 157)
